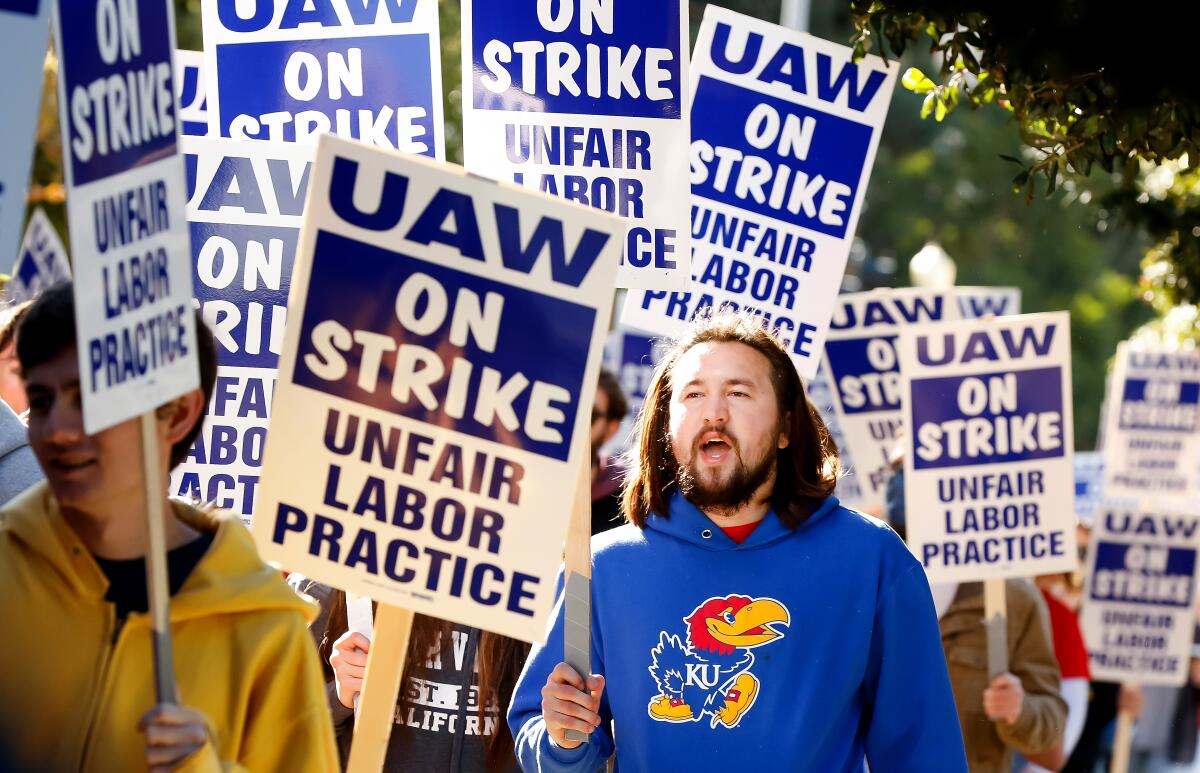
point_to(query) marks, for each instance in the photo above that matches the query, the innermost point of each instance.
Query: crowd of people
(741, 615)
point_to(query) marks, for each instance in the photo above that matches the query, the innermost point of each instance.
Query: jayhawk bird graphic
(710, 674)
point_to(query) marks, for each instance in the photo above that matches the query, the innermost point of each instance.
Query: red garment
(739, 533)
(1068, 640)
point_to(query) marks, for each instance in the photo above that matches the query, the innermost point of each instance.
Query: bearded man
(742, 617)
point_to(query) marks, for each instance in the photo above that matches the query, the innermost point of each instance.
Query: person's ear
(181, 414)
(784, 440)
(611, 430)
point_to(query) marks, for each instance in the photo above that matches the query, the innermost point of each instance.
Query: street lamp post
(932, 268)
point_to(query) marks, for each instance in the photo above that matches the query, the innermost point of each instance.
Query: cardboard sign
(820, 394)
(988, 475)
(24, 37)
(190, 93)
(860, 353)
(1152, 432)
(290, 71)
(435, 387)
(41, 261)
(976, 302)
(1140, 588)
(784, 132)
(245, 209)
(125, 208)
(587, 100)
(1089, 485)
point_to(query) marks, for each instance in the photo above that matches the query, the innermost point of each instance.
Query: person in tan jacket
(1021, 710)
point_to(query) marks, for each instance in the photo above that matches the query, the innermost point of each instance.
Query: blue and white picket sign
(864, 372)
(1152, 431)
(1089, 485)
(988, 472)
(820, 394)
(432, 410)
(190, 93)
(784, 132)
(245, 209)
(587, 100)
(290, 70)
(41, 261)
(24, 38)
(125, 207)
(976, 302)
(1139, 594)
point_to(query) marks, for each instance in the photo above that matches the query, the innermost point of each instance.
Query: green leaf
(916, 81)
(928, 104)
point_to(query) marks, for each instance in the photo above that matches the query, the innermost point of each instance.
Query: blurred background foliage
(1079, 249)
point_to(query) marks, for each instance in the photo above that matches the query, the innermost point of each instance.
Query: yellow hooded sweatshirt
(74, 685)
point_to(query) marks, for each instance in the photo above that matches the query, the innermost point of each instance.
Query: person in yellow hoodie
(76, 669)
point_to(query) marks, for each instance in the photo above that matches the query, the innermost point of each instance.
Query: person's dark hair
(806, 471)
(10, 317)
(618, 405)
(500, 661)
(48, 329)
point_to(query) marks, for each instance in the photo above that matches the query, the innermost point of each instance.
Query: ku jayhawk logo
(711, 675)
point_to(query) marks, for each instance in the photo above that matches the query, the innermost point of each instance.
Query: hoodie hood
(688, 523)
(229, 579)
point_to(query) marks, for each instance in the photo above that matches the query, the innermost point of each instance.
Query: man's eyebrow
(736, 381)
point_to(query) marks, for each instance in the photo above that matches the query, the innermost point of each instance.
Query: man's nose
(715, 409)
(64, 423)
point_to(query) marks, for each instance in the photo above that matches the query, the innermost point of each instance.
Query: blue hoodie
(805, 650)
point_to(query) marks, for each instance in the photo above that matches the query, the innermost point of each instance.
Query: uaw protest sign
(24, 37)
(245, 209)
(290, 70)
(190, 93)
(41, 262)
(784, 132)
(1139, 594)
(433, 402)
(125, 207)
(1152, 431)
(988, 474)
(587, 100)
(864, 373)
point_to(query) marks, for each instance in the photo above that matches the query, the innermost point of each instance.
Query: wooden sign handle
(381, 686)
(577, 592)
(995, 619)
(157, 590)
(1122, 740)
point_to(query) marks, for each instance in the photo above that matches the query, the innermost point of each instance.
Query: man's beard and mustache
(738, 488)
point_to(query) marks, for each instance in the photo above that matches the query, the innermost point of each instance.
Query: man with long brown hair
(743, 617)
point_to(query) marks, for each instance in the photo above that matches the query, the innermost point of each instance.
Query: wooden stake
(157, 589)
(381, 686)
(1122, 739)
(577, 568)
(995, 619)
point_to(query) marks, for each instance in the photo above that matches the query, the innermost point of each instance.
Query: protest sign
(125, 208)
(860, 354)
(631, 357)
(41, 261)
(820, 394)
(1152, 431)
(434, 391)
(24, 37)
(245, 208)
(1139, 590)
(587, 100)
(784, 132)
(189, 92)
(369, 71)
(1089, 484)
(976, 302)
(988, 475)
